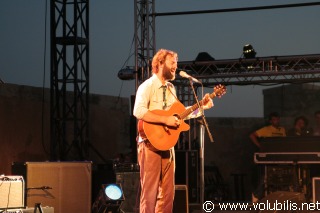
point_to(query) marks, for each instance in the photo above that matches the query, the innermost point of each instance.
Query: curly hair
(160, 57)
(301, 118)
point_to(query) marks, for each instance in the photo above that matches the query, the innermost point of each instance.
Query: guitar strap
(170, 85)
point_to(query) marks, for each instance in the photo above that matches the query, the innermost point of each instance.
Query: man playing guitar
(154, 99)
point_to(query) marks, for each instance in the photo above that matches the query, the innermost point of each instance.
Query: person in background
(315, 168)
(316, 128)
(272, 130)
(300, 127)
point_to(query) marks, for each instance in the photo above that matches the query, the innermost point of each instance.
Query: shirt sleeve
(195, 114)
(142, 101)
(262, 132)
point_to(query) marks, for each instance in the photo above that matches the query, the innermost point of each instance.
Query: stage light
(204, 56)
(109, 199)
(127, 74)
(248, 51)
(113, 192)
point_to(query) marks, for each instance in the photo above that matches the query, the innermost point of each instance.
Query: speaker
(44, 209)
(12, 190)
(187, 172)
(65, 186)
(315, 189)
(180, 203)
(280, 177)
(285, 198)
(130, 183)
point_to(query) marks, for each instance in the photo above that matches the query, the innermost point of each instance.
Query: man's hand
(173, 121)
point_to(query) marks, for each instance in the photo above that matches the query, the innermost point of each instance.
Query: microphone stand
(201, 110)
(201, 151)
(202, 183)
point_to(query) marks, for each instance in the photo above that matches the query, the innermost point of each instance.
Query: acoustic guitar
(164, 137)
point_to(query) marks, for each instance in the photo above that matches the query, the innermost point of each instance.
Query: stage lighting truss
(254, 71)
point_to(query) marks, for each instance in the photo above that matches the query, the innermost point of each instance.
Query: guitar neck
(194, 107)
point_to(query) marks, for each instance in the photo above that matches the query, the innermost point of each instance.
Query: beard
(167, 74)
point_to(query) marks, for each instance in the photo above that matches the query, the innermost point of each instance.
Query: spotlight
(109, 199)
(127, 73)
(204, 56)
(248, 51)
(113, 192)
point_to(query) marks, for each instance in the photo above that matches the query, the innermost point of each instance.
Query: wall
(25, 126)
(292, 101)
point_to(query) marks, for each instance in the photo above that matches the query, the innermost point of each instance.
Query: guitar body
(160, 136)
(164, 137)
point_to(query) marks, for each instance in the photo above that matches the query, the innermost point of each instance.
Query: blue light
(113, 192)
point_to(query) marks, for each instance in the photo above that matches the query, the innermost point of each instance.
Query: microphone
(185, 75)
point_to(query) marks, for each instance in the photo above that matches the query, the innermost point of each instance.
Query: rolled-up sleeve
(141, 102)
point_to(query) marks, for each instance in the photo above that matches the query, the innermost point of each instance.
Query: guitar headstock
(220, 90)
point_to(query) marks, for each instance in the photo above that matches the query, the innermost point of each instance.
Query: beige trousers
(156, 178)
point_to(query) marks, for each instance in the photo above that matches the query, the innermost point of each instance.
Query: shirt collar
(157, 81)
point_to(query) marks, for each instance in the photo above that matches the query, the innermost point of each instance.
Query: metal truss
(259, 71)
(277, 69)
(69, 81)
(144, 31)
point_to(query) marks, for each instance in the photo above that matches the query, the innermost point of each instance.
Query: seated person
(300, 127)
(272, 130)
(316, 128)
